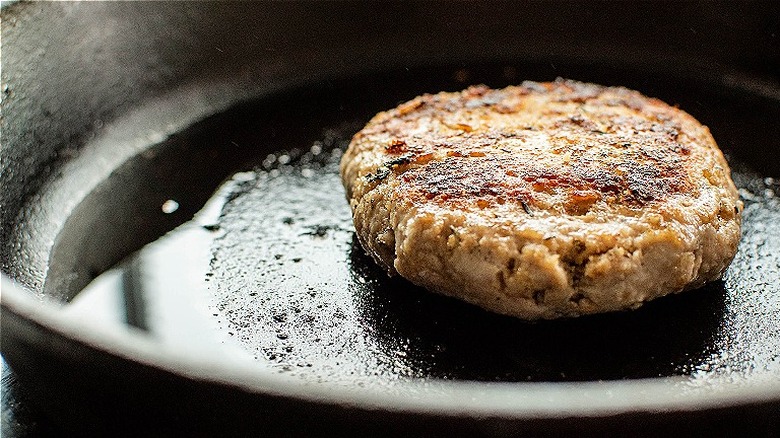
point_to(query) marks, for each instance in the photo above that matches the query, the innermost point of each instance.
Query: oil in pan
(270, 271)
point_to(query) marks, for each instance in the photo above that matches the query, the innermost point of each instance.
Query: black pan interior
(271, 270)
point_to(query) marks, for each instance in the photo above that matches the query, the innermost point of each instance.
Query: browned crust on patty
(570, 173)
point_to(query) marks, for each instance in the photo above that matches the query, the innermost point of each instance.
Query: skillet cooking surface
(270, 269)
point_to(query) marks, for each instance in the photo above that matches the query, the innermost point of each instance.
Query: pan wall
(71, 68)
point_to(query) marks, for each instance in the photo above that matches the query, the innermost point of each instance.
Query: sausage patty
(545, 199)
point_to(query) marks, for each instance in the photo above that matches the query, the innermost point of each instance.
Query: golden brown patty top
(585, 143)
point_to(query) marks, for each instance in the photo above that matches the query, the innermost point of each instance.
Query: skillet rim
(510, 400)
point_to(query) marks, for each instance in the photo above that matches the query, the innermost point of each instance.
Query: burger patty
(543, 200)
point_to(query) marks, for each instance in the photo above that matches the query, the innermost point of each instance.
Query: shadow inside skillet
(448, 339)
(275, 272)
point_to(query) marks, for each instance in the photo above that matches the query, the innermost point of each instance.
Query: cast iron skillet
(113, 111)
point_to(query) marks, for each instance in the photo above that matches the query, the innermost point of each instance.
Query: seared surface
(545, 199)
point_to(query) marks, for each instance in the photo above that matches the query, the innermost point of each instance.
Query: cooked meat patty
(545, 199)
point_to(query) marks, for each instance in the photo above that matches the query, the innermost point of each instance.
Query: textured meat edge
(517, 272)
